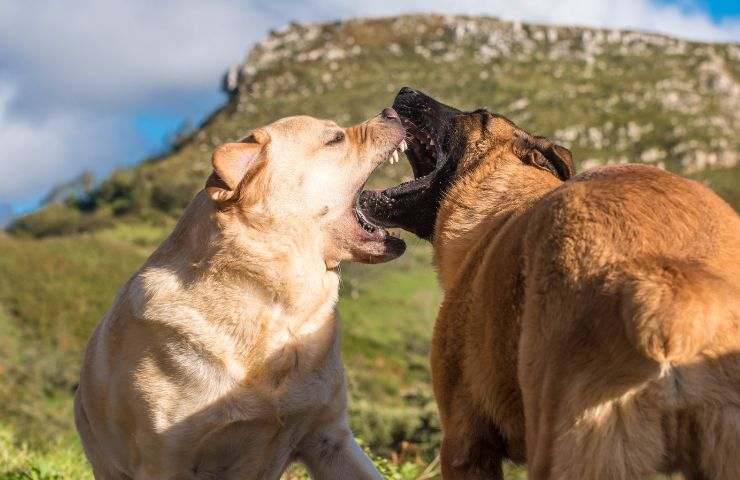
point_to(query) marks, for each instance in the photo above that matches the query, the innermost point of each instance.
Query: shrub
(58, 219)
(172, 197)
(126, 191)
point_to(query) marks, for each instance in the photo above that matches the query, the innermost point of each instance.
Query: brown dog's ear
(544, 154)
(231, 163)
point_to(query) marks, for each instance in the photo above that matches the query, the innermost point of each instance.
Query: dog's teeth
(403, 146)
(394, 157)
(431, 142)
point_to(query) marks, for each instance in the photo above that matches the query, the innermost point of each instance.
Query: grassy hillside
(610, 96)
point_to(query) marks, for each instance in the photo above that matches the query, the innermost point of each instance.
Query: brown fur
(604, 310)
(220, 357)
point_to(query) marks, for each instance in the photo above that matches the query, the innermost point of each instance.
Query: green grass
(52, 293)
(387, 314)
(64, 460)
(59, 460)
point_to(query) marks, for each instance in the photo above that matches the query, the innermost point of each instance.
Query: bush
(407, 430)
(125, 191)
(58, 219)
(172, 197)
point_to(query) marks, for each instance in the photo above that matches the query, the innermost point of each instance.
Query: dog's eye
(336, 139)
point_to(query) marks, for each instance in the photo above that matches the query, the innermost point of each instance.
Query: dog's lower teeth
(394, 157)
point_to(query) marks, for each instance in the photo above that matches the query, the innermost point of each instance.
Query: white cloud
(76, 71)
(112, 52)
(73, 74)
(35, 155)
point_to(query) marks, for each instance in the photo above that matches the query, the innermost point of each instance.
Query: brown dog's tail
(673, 309)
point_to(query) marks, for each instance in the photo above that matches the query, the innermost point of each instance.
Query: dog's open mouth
(370, 230)
(368, 225)
(388, 208)
(422, 149)
(422, 153)
(413, 205)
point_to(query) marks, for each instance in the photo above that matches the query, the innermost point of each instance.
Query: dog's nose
(407, 91)
(389, 114)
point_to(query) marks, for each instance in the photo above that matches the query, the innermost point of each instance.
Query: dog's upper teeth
(403, 146)
(431, 142)
(394, 157)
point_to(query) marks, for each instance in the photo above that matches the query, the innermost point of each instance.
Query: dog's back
(630, 349)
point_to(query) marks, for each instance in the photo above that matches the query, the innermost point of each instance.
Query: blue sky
(101, 84)
(717, 10)
(720, 9)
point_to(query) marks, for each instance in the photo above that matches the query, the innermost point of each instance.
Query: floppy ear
(549, 156)
(231, 163)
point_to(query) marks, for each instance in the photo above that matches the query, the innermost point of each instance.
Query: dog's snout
(389, 114)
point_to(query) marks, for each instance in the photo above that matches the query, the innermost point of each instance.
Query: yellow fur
(220, 357)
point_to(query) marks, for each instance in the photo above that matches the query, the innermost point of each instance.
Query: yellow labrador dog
(220, 357)
(590, 323)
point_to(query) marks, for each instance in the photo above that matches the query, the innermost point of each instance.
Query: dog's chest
(243, 372)
(277, 394)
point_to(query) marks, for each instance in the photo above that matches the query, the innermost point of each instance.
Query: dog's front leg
(333, 454)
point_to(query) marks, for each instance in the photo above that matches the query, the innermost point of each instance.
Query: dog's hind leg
(719, 442)
(586, 434)
(588, 413)
(617, 439)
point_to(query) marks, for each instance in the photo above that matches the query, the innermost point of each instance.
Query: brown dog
(220, 357)
(602, 308)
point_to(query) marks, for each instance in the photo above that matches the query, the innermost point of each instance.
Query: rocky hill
(611, 96)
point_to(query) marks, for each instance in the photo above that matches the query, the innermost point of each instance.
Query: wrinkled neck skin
(503, 188)
(250, 271)
(287, 259)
